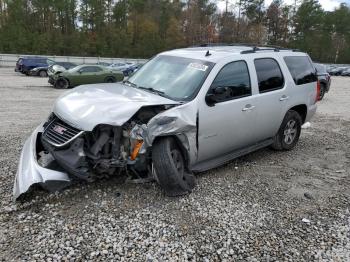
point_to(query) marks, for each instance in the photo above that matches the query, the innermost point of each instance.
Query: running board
(215, 162)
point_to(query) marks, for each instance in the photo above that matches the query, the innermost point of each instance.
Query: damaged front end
(35, 167)
(58, 151)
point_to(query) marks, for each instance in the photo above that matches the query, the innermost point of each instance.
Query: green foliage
(142, 28)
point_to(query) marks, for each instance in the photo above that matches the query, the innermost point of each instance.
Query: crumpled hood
(86, 106)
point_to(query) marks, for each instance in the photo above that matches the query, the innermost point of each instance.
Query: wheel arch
(67, 79)
(301, 110)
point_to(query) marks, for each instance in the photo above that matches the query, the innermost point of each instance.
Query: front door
(227, 124)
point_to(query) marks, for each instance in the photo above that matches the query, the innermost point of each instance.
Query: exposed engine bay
(104, 151)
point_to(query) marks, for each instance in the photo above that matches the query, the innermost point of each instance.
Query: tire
(110, 80)
(170, 168)
(42, 73)
(61, 83)
(322, 91)
(289, 132)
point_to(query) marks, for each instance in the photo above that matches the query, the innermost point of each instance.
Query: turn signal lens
(136, 149)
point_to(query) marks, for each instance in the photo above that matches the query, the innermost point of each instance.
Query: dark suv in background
(324, 79)
(25, 64)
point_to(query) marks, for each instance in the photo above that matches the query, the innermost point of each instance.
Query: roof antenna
(208, 53)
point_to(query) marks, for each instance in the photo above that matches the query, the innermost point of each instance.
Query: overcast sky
(327, 5)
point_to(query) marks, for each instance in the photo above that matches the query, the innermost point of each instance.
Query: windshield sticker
(198, 66)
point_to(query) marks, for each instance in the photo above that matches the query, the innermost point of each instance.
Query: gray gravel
(265, 206)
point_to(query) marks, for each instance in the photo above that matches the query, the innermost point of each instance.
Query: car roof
(219, 52)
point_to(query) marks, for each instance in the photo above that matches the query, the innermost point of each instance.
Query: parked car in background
(185, 111)
(346, 72)
(86, 74)
(132, 69)
(120, 66)
(103, 63)
(337, 71)
(324, 79)
(45, 71)
(25, 64)
(57, 68)
(330, 68)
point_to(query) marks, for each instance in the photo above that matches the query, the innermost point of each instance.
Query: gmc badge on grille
(59, 129)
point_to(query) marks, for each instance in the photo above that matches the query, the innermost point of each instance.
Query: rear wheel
(61, 83)
(170, 168)
(289, 132)
(110, 80)
(42, 73)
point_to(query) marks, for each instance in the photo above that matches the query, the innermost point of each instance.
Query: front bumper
(51, 80)
(30, 172)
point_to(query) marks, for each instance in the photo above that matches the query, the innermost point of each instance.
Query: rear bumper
(30, 172)
(311, 112)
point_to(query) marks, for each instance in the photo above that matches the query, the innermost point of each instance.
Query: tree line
(142, 28)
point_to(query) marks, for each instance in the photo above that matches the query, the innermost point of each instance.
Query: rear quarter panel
(304, 94)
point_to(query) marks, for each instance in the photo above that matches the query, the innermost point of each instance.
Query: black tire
(286, 139)
(170, 168)
(42, 73)
(110, 80)
(322, 91)
(61, 83)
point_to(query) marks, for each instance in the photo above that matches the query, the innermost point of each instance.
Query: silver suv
(185, 111)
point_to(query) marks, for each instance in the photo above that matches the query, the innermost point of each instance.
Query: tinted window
(91, 69)
(301, 69)
(235, 78)
(269, 74)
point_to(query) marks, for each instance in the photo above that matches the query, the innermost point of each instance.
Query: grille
(59, 133)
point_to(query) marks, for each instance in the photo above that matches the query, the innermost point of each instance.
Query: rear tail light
(318, 91)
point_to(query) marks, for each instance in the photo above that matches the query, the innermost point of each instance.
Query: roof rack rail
(255, 47)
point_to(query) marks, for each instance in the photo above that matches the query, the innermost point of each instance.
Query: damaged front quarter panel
(180, 121)
(30, 172)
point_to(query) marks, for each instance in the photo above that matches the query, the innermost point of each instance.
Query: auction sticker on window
(198, 66)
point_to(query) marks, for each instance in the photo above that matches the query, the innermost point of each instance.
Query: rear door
(271, 102)
(227, 125)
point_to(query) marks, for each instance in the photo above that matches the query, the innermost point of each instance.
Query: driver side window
(232, 82)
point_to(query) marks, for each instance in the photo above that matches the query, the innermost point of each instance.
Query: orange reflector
(136, 150)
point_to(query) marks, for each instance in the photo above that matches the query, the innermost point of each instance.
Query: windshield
(176, 77)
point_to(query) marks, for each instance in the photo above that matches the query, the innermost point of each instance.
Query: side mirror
(213, 97)
(80, 71)
(220, 90)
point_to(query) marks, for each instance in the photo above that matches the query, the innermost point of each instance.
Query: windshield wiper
(151, 89)
(158, 92)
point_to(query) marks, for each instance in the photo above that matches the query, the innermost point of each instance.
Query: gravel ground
(265, 206)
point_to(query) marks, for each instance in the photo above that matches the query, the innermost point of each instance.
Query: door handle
(248, 108)
(284, 98)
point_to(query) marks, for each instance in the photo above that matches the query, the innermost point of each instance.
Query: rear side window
(91, 69)
(269, 74)
(301, 69)
(235, 78)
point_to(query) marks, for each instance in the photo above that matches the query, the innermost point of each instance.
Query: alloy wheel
(290, 132)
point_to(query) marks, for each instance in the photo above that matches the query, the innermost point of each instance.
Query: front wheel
(61, 83)
(170, 168)
(289, 132)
